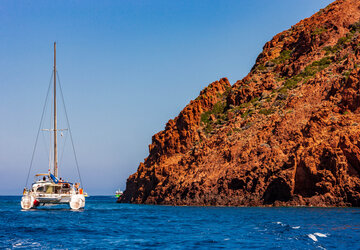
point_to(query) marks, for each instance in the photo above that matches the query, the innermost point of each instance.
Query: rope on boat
(68, 123)
(37, 136)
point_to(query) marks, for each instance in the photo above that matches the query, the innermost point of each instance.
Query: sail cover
(56, 181)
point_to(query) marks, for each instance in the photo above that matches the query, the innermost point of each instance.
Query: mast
(55, 120)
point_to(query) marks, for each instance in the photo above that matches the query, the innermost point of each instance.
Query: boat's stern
(47, 192)
(28, 201)
(77, 201)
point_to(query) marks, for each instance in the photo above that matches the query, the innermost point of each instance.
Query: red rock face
(287, 134)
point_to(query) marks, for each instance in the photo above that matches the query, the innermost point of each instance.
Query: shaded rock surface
(287, 134)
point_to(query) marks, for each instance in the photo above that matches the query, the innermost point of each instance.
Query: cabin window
(49, 189)
(40, 189)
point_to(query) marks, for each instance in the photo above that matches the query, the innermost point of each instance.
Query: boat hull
(27, 202)
(30, 201)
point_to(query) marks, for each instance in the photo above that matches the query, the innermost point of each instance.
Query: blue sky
(126, 68)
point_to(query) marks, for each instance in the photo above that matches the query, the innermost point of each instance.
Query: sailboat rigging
(50, 189)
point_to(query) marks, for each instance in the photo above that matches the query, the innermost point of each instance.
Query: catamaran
(48, 188)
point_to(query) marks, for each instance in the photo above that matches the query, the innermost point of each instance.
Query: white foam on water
(280, 223)
(313, 237)
(297, 227)
(320, 235)
(25, 244)
(226, 239)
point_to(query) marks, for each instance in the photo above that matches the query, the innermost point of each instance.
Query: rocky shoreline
(288, 134)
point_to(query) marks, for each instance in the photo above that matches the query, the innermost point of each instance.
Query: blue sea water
(106, 224)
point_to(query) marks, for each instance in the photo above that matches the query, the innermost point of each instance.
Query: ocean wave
(313, 237)
(321, 235)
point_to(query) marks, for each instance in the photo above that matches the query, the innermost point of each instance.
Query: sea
(104, 224)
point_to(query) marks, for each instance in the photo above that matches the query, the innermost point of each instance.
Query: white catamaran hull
(75, 201)
(27, 202)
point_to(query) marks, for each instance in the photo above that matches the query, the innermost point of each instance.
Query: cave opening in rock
(236, 184)
(278, 190)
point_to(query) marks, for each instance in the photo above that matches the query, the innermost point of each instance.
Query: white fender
(77, 201)
(27, 202)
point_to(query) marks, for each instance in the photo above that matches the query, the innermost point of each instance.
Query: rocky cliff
(287, 134)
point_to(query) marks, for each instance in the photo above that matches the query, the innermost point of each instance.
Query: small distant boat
(118, 193)
(48, 188)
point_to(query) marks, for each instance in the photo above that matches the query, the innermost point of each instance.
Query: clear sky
(126, 68)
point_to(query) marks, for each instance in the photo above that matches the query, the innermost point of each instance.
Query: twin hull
(75, 201)
(49, 193)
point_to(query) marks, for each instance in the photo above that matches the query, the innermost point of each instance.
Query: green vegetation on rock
(284, 56)
(247, 113)
(266, 111)
(218, 112)
(306, 74)
(354, 28)
(318, 31)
